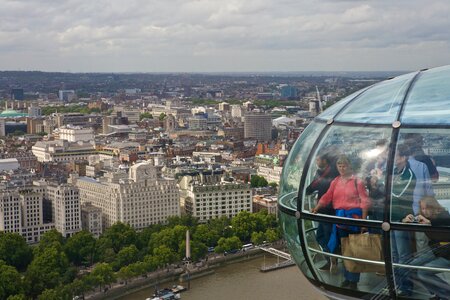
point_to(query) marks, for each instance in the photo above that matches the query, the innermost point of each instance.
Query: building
(8, 164)
(209, 199)
(2, 127)
(10, 212)
(75, 133)
(21, 211)
(34, 111)
(62, 151)
(65, 203)
(224, 106)
(289, 92)
(271, 174)
(198, 122)
(66, 95)
(139, 198)
(267, 202)
(35, 125)
(91, 219)
(78, 119)
(17, 94)
(258, 126)
(236, 111)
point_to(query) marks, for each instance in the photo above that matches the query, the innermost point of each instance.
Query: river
(244, 281)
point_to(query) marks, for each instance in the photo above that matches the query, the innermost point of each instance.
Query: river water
(243, 280)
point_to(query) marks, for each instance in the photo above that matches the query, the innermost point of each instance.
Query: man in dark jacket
(326, 172)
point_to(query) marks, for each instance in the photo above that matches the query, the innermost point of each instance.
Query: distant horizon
(215, 72)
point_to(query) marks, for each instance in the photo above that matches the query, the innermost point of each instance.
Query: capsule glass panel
(421, 263)
(421, 169)
(429, 98)
(378, 105)
(363, 152)
(292, 172)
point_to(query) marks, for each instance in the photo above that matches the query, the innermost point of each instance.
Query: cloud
(213, 35)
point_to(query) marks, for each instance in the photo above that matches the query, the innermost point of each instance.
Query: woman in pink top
(349, 198)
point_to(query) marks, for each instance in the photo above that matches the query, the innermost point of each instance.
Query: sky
(223, 35)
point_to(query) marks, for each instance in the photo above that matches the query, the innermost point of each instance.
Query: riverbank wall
(162, 277)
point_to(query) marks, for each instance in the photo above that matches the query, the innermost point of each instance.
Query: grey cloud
(250, 33)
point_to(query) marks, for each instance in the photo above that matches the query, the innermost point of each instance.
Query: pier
(279, 265)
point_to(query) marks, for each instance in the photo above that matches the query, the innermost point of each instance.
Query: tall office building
(206, 198)
(17, 94)
(66, 95)
(140, 199)
(21, 211)
(258, 126)
(65, 202)
(289, 92)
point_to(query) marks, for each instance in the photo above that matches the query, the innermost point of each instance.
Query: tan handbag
(364, 246)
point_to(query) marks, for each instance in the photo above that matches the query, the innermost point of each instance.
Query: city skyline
(211, 36)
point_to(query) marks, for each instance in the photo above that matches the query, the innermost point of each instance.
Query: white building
(76, 133)
(62, 151)
(91, 219)
(206, 201)
(66, 212)
(236, 111)
(21, 211)
(140, 200)
(271, 174)
(66, 95)
(10, 212)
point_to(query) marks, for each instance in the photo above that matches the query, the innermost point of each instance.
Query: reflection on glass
(379, 104)
(366, 150)
(290, 229)
(428, 274)
(427, 102)
(335, 108)
(367, 275)
(290, 177)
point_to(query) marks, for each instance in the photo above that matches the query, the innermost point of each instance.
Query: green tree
(104, 251)
(258, 237)
(126, 273)
(198, 250)
(80, 248)
(163, 255)
(10, 281)
(79, 287)
(120, 235)
(46, 270)
(162, 116)
(125, 257)
(228, 244)
(206, 235)
(258, 181)
(17, 297)
(273, 185)
(145, 115)
(51, 238)
(272, 235)
(222, 226)
(103, 274)
(169, 237)
(14, 250)
(185, 220)
(244, 223)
